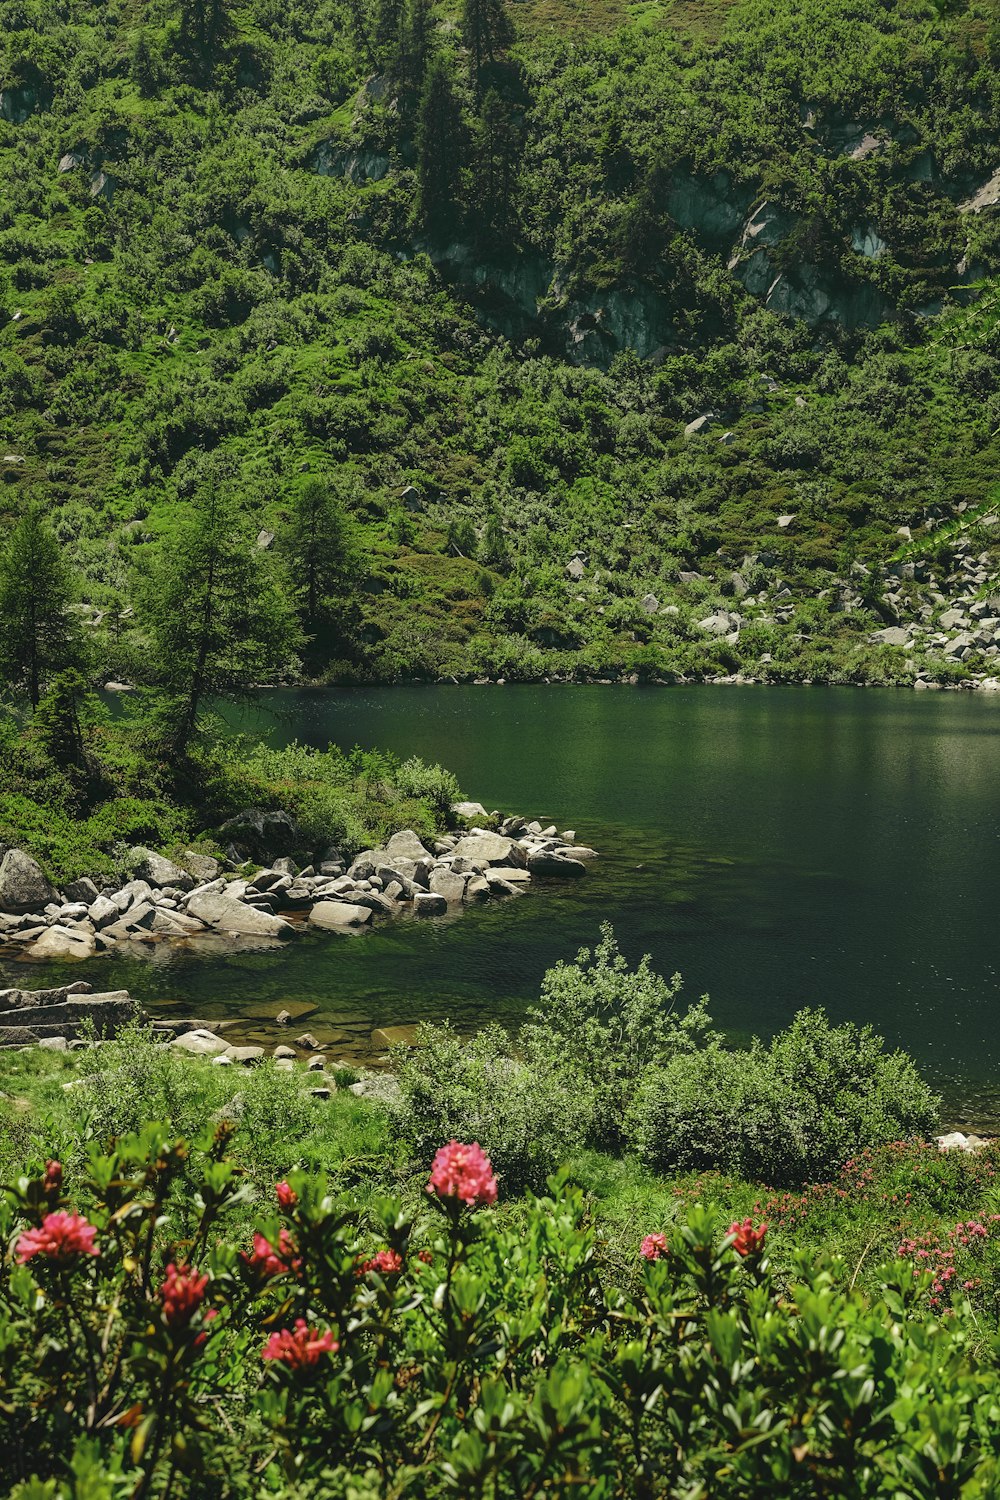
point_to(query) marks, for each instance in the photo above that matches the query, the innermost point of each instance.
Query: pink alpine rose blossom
(653, 1246)
(272, 1260)
(182, 1293)
(385, 1262)
(60, 1238)
(300, 1348)
(287, 1197)
(746, 1239)
(463, 1172)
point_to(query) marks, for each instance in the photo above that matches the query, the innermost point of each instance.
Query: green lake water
(778, 847)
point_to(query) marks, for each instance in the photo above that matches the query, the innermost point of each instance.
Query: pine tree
(439, 148)
(486, 31)
(219, 618)
(38, 637)
(322, 555)
(388, 25)
(496, 163)
(415, 45)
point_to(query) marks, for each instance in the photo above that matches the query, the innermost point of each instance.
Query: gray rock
(24, 886)
(83, 890)
(892, 635)
(469, 809)
(307, 1042)
(261, 835)
(477, 890)
(247, 1056)
(316, 1064)
(485, 848)
(62, 943)
(133, 894)
(157, 870)
(332, 914)
(953, 619)
(202, 866)
(228, 915)
(282, 1051)
(699, 425)
(201, 1043)
(717, 624)
(405, 845)
(649, 604)
(222, 1060)
(446, 883)
(428, 904)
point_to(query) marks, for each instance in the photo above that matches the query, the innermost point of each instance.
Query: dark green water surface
(779, 847)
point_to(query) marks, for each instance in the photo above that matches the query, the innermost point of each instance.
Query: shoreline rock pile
(164, 902)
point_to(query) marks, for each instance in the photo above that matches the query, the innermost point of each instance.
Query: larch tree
(217, 608)
(38, 635)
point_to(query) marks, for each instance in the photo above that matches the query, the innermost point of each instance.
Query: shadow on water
(778, 847)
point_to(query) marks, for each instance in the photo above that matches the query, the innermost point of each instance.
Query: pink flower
(385, 1262)
(53, 1177)
(653, 1246)
(287, 1197)
(273, 1260)
(463, 1172)
(61, 1238)
(746, 1239)
(182, 1293)
(301, 1348)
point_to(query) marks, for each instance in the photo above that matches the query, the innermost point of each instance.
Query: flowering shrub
(482, 1353)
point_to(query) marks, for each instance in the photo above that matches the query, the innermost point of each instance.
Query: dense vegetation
(451, 285)
(625, 1331)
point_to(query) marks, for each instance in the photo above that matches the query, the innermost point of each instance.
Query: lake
(779, 847)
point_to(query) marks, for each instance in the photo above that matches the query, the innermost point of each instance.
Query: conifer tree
(496, 146)
(321, 553)
(38, 637)
(439, 148)
(219, 618)
(486, 31)
(415, 44)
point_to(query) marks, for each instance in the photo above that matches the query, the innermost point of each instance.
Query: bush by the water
(605, 1059)
(151, 1345)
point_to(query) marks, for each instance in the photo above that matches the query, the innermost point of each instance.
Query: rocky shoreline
(493, 857)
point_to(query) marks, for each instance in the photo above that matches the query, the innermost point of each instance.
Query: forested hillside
(652, 339)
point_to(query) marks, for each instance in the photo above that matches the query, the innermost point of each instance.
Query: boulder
(202, 1043)
(261, 836)
(62, 943)
(83, 890)
(332, 914)
(468, 809)
(24, 886)
(282, 1051)
(307, 1042)
(157, 870)
(718, 624)
(428, 904)
(405, 845)
(446, 883)
(477, 890)
(483, 848)
(226, 914)
(892, 635)
(202, 866)
(649, 604)
(248, 1056)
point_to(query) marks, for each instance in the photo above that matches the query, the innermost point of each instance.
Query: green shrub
(781, 1114)
(528, 1121)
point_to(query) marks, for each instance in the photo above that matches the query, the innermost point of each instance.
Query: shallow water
(779, 847)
